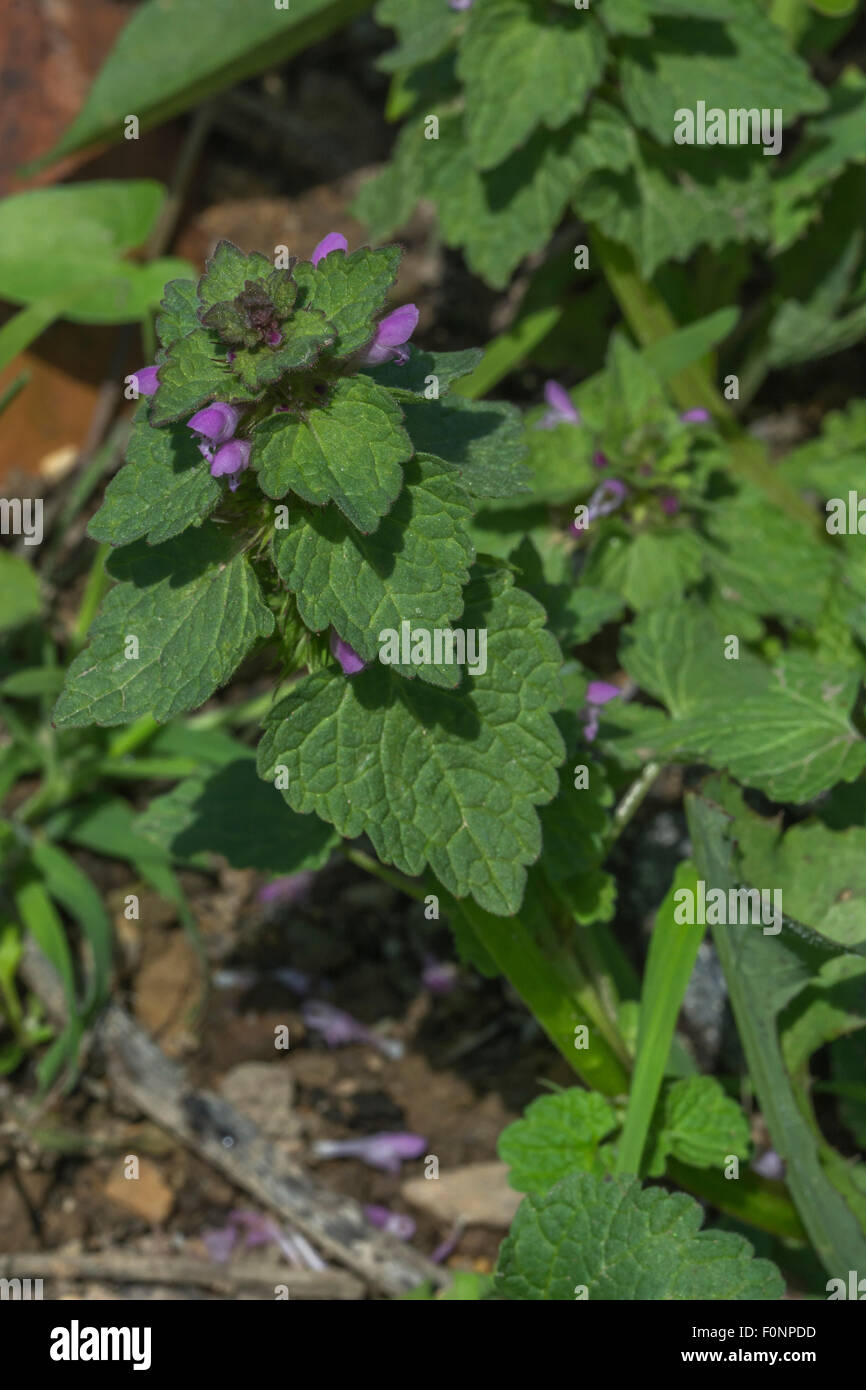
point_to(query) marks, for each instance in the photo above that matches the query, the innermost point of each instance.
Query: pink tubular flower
(230, 460)
(396, 1223)
(598, 693)
(348, 658)
(338, 1027)
(334, 241)
(289, 888)
(697, 416)
(606, 498)
(560, 410)
(392, 334)
(216, 422)
(439, 976)
(385, 1151)
(461, 4)
(146, 380)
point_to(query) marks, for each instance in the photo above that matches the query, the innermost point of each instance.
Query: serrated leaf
(179, 314)
(506, 45)
(424, 30)
(446, 367)
(227, 272)
(195, 608)
(653, 568)
(348, 451)
(411, 569)
(200, 816)
(624, 1243)
(483, 438)
(558, 1135)
(193, 373)
(164, 486)
(349, 291)
(409, 764)
(831, 141)
(745, 64)
(304, 337)
(699, 1125)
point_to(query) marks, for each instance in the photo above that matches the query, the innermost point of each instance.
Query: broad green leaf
(164, 487)
(622, 1243)
(507, 45)
(195, 609)
(171, 56)
(305, 336)
(412, 568)
(677, 654)
(227, 272)
(232, 812)
(484, 439)
(831, 141)
(424, 30)
(66, 243)
(415, 375)
(349, 451)
(673, 354)
(697, 1124)
(745, 64)
(627, 17)
(409, 764)
(655, 568)
(20, 598)
(349, 291)
(764, 973)
(192, 373)
(558, 1135)
(821, 874)
(179, 312)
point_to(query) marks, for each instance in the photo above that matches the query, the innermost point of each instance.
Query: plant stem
(94, 591)
(631, 802)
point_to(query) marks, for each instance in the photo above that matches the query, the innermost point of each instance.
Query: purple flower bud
(600, 460)
(146, 380)
(334, 241)
(606, 498)
(670, 503)
(231, 458)
(385, 1151)
(769, 1165)
(338, 1028)
(346, 655)
(290, 888)
(560, 410)
(597, 695)
(393, 331)
(396, 1223)
(447, 1246)
(216, 422)
(275, 337)
(696, 416)
(439, 976)
(461, 4)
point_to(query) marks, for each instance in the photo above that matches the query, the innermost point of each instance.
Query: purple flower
(290, 888)
(216, 422)
(447, 1246)
(461, 4)
(146, 380)
(597, 695)
(385, 1151)
(230, 460)
(670, 503)
(334, 241)
(392, 333)
(606, 498)
(346, 655)
(560, 410)
(439, 976)
(396, 1223)
(275, 337)
(600, 460)
(338, 1027)
(697, 416)
(260, 1230)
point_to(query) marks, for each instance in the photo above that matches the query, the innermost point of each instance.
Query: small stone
(478, 1194)
(147, 1196)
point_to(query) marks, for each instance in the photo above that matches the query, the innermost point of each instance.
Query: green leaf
(623, 1243)
(424, 30)
(484, 439)
(164, 487)
(831, 141)
(57, 241)
(697, 1124)
(506, 46)
(655, 568)
(349, 291)
(409, 764)
(227, 272)
(179, 316)
(200, 817)
(348, 451)
(558, 1135)
(170, 57)
(412, 568)
(627, 17)
(746, 64)
(446, 367)
(20, 598)
(196, 610)
(305, 336)
(75, 892)
(192, 373)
